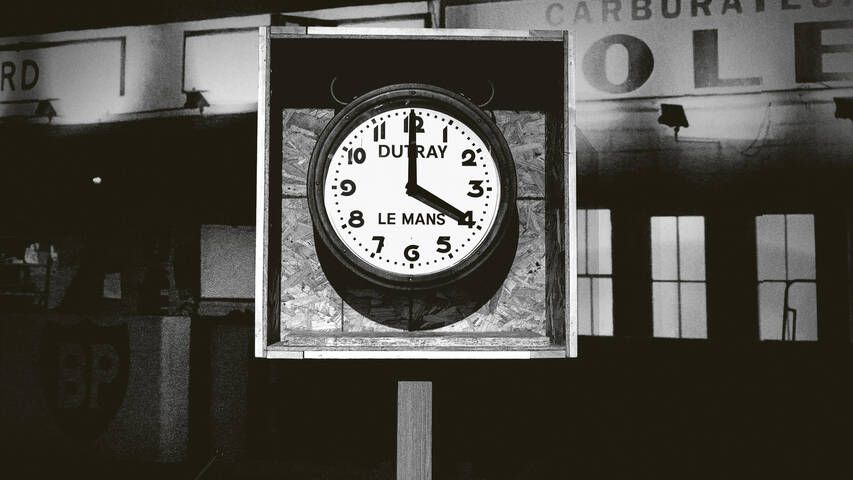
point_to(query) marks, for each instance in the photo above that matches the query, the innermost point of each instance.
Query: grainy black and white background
(715, 238)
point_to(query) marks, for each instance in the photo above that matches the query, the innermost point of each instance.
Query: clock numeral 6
(411, 253)
(443, 244)
(356, 155)
(476, 189)
(381, 243)
(468, 158)
(356, 219)
(467, 219)
(348, 188)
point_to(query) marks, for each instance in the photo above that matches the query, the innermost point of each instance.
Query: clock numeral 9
(356, 219)
(356, 155)
(467, 219)
(419, 124)
(443, 244)
(411, 253)
(381, 243)
(476, 189)
(468, 158)
(348, 188)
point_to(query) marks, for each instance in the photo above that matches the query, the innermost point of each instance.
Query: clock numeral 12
(444, 135)
(357, 155)
(419, 124)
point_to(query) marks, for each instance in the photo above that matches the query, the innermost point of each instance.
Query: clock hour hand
(424, 196)
(413, 153)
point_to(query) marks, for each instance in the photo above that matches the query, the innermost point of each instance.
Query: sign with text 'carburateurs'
(641, 48)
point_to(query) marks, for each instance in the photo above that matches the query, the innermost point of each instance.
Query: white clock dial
(435, 223)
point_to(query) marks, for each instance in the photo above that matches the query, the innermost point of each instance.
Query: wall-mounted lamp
(844, 107)
(45, 109)
(673, 116)
(195, 99)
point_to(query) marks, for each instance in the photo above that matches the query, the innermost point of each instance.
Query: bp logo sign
(84, 374)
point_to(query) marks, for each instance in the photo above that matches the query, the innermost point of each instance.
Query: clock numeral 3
(356, 219)
(357, 155)
(411, 253)
(476, 189)
(348, 188)
(467, 219)
(381, 243)
(468, 158)
(444, 244)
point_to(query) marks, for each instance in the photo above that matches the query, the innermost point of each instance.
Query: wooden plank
(278, 30)
(555, 220)
(262, 195)
(274, 207)
(414, 430)
(285, 354)
(570, 205)
(415, 340)
(425, 354)
(428, 33)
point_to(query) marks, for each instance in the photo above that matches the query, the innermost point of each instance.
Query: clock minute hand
(413, 153)
(428, 198)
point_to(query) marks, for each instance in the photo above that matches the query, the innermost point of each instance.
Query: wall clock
(411, 187)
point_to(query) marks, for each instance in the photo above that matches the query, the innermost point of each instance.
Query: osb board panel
(309, 303)
(519, 304)
(301, 129)
(525, 134)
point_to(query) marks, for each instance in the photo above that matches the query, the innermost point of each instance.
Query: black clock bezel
(410, 96)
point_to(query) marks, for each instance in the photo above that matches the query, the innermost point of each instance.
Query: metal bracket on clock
(332, 93)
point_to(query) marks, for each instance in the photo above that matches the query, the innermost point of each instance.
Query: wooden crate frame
(561, 242)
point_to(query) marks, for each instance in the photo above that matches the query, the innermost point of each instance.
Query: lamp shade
(672, 115)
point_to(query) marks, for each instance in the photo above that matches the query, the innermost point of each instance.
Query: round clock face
(411, 192)
(405, 229)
